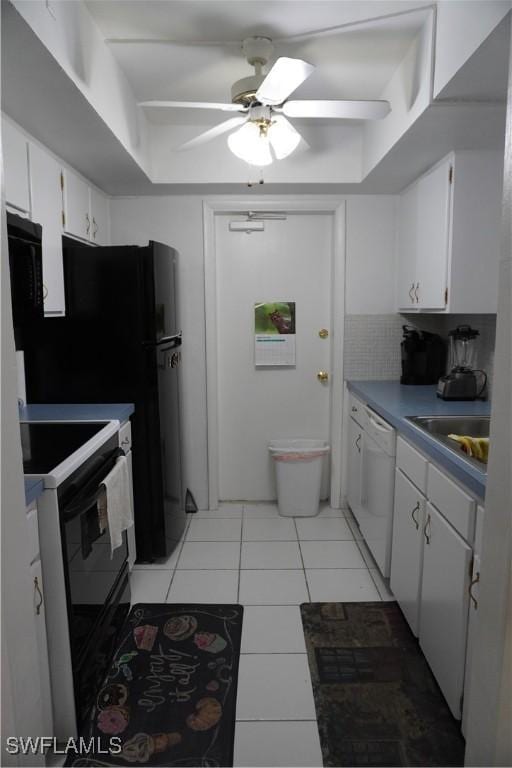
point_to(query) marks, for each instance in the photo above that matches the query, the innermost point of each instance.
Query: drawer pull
(416, 509)
(357, 443)
(411, 289)
(427, 525)
(470, 590)
(38, 592)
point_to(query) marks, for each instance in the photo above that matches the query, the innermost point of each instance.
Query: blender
(461, 382)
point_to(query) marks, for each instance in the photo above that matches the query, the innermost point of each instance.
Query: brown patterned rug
(377, 702)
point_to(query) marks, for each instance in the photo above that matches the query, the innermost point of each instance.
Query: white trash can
(298, 466)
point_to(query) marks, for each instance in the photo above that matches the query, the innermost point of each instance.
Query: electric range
(86, 585)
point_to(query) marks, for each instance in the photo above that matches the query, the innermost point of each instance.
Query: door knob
(322, 376)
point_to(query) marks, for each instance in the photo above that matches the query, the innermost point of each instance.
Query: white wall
(408, 92)
(178, 221)
(461, 27)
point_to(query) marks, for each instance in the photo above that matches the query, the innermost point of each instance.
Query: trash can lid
(298, 445)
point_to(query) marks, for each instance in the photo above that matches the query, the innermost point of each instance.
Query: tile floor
(248, 554)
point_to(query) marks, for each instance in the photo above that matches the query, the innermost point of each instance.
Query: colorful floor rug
(169, 698)
(377, 702)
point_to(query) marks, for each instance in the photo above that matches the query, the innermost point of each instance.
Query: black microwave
(26, 268)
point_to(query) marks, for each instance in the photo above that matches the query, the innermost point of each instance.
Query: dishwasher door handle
(382, 426)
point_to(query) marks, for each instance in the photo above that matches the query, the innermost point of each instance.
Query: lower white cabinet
(444, 605)
(355, 437)
(407, 557)
(36, 577)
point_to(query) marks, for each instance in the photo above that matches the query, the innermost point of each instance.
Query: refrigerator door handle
(174, 341)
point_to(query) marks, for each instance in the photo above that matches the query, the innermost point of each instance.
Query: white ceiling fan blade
(194, 105)
(212, 133)
(341, 110)
(285, 76)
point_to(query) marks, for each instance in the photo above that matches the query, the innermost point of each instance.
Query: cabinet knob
(39, 594)
(357, 442)
(470, 590)
(87, 224)
(354, 409)
(416, 509)
(95, 227)
(416, 293)
(427, 526)
(411, 289)
(322, 376)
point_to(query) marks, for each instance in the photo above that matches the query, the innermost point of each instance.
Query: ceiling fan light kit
(263, 102)
(262, 132)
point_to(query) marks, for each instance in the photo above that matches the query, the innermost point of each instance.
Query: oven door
(97, 584)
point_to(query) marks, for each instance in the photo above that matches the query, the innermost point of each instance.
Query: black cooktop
(46, 444)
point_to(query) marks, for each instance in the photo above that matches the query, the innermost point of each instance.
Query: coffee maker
(423, 356)
(461, 381)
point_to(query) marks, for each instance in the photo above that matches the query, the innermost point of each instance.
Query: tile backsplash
(372, 342)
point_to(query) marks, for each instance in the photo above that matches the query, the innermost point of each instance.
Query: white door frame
(317, 205)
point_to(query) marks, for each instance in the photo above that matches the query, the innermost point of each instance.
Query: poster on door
(274, 333)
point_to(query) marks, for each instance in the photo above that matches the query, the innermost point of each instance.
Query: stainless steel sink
(439, 427)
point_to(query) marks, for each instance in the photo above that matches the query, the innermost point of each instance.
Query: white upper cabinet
(15, 151)
(432, 233)
(449, 236)
(85, 210)
(75, 202)
(47, 210)
(99, 218)
(406, 262)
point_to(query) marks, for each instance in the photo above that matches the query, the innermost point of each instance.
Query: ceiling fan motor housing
(257, 51)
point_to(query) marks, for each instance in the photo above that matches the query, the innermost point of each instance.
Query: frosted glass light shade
(283, 137)
(249, 145)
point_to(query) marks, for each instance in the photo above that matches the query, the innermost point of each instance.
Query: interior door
(289, 261)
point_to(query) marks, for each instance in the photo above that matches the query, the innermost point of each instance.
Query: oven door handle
(81, 505)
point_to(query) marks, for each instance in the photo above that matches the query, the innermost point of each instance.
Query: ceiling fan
(262, 101)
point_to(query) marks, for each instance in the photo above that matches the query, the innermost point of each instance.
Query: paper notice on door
(274, 333)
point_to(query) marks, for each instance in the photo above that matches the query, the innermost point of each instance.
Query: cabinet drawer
(412, 464)
(33, 534)
(125, 437)
(453, 503)
(356, 409)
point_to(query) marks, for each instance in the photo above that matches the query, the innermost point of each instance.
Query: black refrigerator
(119, 343)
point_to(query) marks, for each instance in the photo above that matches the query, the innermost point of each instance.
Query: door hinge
(63, 219)
(62, 181)
(450, 175)
(446, 297)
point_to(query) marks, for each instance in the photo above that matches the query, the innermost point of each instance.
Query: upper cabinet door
(406, 266)
(99, 219)
(433, 236)
(15, 150)
(47, 210)
(76, 206)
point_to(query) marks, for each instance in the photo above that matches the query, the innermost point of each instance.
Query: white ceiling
(354, 61)
(191, 51)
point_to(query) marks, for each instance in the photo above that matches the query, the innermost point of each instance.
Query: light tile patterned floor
(247, 553)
